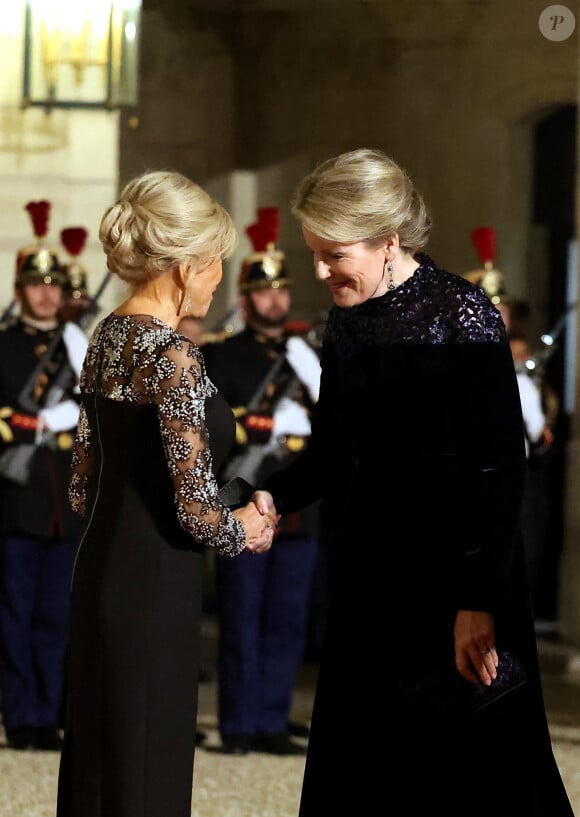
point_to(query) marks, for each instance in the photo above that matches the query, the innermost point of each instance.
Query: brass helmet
(266, 266)
(489, 278)
(38, 263)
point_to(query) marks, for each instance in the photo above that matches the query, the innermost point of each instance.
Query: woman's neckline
(390, 294)
(148, 315)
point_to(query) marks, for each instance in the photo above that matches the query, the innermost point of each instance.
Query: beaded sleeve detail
(141, 360)
(432, 306)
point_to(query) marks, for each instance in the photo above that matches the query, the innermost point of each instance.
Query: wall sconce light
(81, 53)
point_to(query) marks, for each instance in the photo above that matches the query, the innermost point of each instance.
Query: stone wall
(451, 89)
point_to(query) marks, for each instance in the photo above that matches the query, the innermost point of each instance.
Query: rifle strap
(254, 401)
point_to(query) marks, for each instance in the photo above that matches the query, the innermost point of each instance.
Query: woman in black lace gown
(152, 432)
(417, 454)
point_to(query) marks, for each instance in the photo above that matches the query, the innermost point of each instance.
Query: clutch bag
(441, 695)
(235, 493)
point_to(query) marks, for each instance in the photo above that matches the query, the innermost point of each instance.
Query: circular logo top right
(557, 23)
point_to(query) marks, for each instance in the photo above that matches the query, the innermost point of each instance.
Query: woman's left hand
(262, 542)
(476, 656)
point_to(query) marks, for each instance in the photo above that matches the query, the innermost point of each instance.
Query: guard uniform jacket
(41, 506)
(238, 366)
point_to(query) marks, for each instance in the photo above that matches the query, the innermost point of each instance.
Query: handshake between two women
(260, 520)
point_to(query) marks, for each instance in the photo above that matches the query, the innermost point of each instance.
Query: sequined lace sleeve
(142, 361)
(81, 464)
(180, 387)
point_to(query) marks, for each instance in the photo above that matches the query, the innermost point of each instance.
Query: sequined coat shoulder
(433, 306)
(141, 361)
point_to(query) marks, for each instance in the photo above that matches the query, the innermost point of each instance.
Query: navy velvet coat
(418, 456)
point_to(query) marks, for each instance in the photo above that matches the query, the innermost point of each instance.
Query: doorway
(553, 217)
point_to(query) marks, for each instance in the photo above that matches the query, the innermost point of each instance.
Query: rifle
(247, 463)
(26, 399)
(93, 307)
(15, 462)
(536, 363)
(8, 312)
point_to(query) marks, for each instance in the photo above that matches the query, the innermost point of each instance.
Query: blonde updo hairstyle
(163, 219)
(364, 196)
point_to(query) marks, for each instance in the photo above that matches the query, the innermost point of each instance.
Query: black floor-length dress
(418, 455)
(152, 431)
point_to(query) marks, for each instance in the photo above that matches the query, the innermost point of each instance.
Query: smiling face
(353, 272)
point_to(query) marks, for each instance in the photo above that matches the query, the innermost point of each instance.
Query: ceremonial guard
(540, 406)
(270, 376)
(40, 361)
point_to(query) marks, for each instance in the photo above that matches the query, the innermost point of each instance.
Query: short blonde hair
(163, 219)
(362, 195)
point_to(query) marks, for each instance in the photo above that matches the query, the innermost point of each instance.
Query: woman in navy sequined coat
(418, 456)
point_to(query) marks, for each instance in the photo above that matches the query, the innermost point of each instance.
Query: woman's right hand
(259, 527)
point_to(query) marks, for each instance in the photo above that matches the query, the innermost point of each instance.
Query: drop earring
(390, 282)
(187, 305)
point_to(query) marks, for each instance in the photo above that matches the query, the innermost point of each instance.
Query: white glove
(305, 363)
(290, 418)
(534, 417)
(61, 417)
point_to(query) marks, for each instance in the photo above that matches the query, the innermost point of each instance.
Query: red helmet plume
(266, 266)
(484, 241)
(39, 212)
(74, 239)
